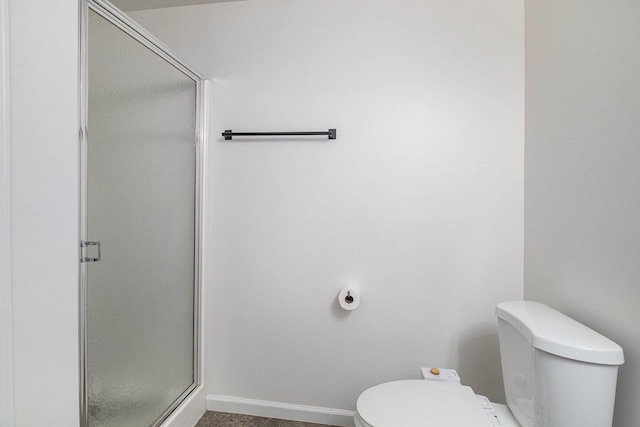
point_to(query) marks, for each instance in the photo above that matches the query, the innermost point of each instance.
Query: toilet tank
(556, 371)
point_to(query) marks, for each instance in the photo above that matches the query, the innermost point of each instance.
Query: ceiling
(129, 5)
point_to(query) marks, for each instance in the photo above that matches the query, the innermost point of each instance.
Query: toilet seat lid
(420, 402)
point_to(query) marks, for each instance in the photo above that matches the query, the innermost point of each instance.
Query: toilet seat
(417, 403)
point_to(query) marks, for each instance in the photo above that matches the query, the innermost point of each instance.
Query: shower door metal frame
(131, 28)
(6, 350)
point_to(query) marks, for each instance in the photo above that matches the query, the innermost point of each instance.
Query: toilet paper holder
(349, 297)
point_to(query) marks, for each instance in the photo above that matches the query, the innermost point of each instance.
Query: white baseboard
(284, 411)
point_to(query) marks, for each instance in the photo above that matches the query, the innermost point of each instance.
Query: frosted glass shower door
(141, 206)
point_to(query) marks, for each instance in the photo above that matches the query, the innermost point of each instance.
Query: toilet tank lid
(556, 333)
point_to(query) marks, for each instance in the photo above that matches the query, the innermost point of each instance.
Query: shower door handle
(83, 245)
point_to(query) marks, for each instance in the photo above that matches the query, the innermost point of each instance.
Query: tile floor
(222, 419)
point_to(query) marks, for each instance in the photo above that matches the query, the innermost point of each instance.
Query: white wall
(582, 156)
(44, 203)
(419, 201)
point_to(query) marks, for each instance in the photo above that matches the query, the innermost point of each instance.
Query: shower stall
(141, 138)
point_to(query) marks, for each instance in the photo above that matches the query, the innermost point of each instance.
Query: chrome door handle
(83, 245)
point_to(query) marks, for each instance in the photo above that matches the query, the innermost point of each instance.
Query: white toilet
(556, 372)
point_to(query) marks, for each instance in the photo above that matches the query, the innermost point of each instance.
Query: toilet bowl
(556, 372)
(409, 403)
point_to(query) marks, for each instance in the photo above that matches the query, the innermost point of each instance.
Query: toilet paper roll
(349, 297)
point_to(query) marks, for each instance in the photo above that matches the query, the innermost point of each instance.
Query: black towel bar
(229, 134)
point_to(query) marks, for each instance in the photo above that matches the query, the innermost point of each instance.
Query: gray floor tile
(223, 419)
